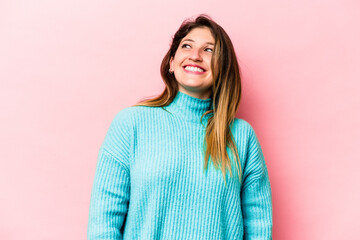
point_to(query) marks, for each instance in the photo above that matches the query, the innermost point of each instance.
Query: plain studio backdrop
(67, 67)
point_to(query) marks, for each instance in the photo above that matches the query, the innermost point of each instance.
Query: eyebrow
(190, 40)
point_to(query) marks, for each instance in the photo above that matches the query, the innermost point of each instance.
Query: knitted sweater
(150, 181)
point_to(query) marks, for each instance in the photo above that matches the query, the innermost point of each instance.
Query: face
(192, 63)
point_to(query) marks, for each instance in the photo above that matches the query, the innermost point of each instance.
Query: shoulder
(131, 119)
(120, 135)
(242, 128)
(124, 122)
(129, 113)
(244, 134)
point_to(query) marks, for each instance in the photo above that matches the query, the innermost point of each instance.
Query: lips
(194, 68)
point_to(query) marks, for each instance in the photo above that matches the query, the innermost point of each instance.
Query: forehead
(201, 35)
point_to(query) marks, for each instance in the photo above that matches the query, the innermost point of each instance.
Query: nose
(195, 55)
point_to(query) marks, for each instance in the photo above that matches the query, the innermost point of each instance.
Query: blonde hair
(226, 93)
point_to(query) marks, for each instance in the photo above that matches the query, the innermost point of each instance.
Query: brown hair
(226, 92)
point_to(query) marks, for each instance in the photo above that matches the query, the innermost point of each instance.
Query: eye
(185, 45)
(210, 50)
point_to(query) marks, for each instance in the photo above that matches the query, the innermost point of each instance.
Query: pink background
(67, 67)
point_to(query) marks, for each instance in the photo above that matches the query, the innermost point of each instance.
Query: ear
(171, 63)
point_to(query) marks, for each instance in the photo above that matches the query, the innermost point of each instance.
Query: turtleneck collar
(190, 108)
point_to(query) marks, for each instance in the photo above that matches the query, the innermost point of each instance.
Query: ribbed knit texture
(150, 181)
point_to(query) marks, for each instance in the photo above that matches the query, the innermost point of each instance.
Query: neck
(201, 95)
(190, 108)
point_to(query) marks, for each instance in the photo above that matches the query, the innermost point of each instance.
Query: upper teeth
(194, 69)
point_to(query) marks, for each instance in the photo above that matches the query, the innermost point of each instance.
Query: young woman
(181, 166)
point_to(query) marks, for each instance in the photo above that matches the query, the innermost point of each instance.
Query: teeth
(194, 69)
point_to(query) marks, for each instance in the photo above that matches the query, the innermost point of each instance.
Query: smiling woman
(192, 63)
(180, 165)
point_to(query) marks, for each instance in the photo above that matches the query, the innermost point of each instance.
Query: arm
(256, 194)
(111, 189)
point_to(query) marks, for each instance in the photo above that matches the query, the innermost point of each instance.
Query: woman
(181, 166)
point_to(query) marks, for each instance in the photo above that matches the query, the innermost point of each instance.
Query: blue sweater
(150, 181)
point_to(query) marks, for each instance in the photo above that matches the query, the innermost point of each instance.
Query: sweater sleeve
(111, 188)
(256, 194)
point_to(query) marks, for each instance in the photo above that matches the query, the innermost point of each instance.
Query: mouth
(194, 69)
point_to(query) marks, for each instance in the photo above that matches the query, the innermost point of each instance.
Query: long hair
(226, 93)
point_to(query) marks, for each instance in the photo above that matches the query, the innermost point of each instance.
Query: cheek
(179, 57)
(208, 59)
